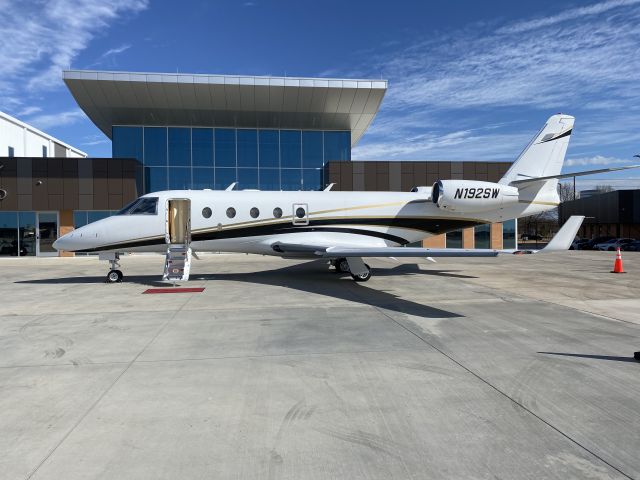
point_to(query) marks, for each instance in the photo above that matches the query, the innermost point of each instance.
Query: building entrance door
(46, 234)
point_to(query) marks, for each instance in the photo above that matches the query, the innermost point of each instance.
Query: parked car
(578, 244)
(613, 244)
(530, 236)
(631, 246)
(590, 245)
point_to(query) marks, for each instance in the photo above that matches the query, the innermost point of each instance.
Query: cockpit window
(142, 206)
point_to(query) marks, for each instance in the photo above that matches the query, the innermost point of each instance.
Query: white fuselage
(358, 219)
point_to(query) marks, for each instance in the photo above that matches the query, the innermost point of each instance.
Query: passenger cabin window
(231, 212)
(206, 212)
(254, 212)
(277, 212)
(142, 206)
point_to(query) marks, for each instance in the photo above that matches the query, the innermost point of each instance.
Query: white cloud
(597, 160)
(28, 111)
(115, 51)
(571, 14)
(40, 39)
(57, 119)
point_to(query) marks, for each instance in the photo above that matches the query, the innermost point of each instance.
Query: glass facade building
(200, 157)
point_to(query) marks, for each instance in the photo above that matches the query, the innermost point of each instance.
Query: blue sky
(468, 80)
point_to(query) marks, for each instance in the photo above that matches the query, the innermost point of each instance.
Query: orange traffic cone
(617, 266)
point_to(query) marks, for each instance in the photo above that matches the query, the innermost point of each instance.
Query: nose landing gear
(114, 275)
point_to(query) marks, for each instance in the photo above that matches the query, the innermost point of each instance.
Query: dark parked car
(631, 247)
(590, 245)
(530, 236)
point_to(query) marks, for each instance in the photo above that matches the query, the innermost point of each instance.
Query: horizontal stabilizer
(565, 236)
(569, 175)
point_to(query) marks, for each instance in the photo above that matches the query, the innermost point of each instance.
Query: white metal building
(17, 139)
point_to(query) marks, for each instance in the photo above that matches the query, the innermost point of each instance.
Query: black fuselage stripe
(429, 226)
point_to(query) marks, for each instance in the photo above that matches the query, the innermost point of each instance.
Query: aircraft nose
(64, 242)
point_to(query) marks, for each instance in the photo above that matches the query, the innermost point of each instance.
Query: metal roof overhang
(124, 98)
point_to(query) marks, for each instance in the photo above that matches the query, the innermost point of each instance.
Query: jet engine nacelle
(469, 196)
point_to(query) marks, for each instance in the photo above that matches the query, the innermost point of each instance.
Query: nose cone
(63, 243)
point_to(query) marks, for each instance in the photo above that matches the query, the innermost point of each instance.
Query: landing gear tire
(114, 276)
(363, 277)
(342, 266)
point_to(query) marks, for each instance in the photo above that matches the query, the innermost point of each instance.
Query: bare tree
(566, 192)
(604, 188)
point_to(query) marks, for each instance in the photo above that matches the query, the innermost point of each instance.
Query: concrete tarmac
(517, 367)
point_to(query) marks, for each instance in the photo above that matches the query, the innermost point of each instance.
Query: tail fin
(544, 155)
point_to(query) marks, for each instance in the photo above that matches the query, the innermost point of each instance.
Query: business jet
(341, 227)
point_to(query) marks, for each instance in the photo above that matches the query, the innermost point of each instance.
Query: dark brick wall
(68, 183)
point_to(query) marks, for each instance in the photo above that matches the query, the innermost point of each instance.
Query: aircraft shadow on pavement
(312, 277)
(594, 357)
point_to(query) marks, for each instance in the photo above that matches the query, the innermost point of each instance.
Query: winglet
(329, 187)
(565, 236)
(231, 187)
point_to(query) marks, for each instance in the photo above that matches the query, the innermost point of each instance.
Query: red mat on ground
(174, 290)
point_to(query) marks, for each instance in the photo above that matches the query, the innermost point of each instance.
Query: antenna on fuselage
(231, 187)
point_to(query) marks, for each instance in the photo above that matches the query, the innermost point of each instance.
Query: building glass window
(291, 179)
(155, 179)
(202, 147)
(482, 236)
(337, 146)
(8, 234)
(127, 142)
(248, 178)
(312, 179)
(509, 234)
(44, 151)
(269, 179)
(225, 147)
(247, 148)
(155, 147)
(269, 148)
(290, 149)
(312, 154)
(12, 152)
(27, 233)
(179, 147)
(179, 178)
(225, 177)
(203, 178)
(454, 239)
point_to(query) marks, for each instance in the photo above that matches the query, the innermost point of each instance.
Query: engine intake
(470, 196)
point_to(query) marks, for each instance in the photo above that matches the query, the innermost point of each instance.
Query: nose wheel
(114, 275)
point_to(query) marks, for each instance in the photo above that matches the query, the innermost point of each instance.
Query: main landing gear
(114, 275)
(342, 265)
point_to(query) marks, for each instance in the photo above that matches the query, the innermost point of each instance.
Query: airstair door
(178, 237)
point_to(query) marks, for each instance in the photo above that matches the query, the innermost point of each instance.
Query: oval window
(254, 212)
(277, 212)
(231, 212)
(206, 212)
(300, 213)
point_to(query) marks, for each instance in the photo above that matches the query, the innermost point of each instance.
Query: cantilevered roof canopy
(124, 98)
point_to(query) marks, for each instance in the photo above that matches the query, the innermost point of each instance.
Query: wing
(325, 251)
(561, 241)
